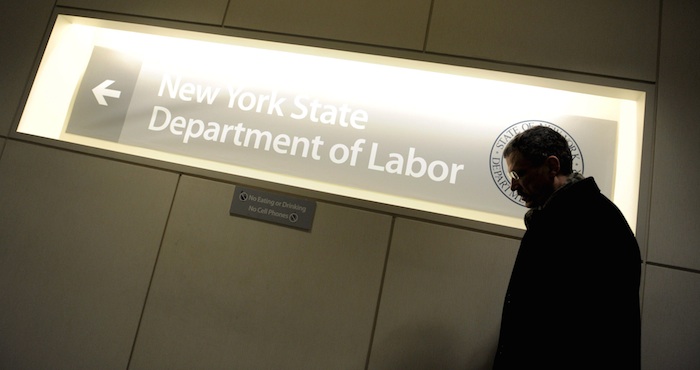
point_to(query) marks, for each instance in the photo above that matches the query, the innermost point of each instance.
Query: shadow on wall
(421, 347)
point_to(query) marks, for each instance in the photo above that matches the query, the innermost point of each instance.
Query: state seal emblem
(497, 164)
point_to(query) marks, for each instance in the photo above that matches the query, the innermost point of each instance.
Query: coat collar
(574, 178)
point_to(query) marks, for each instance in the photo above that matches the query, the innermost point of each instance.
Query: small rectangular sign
(273, 207)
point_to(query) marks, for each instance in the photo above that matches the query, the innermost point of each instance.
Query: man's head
(539, 161)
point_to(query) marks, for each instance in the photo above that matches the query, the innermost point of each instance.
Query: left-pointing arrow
(102, 90)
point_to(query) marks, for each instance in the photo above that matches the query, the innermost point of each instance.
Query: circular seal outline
(497, 165)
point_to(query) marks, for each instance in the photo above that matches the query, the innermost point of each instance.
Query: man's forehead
(513, 157)
(516, 159)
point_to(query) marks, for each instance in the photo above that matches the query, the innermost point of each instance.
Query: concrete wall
(107, 261)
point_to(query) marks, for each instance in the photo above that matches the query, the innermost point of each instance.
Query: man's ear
(553, 165)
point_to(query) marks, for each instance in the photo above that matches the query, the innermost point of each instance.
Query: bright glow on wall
(376, 117)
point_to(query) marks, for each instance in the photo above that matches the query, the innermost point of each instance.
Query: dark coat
(573, 297)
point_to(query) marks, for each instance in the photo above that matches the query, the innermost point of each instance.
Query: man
(573, 297)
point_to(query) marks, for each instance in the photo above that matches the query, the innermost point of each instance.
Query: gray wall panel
(670, 320)
(78, 241)
(22, 26)
(442, 298)
(235, 293)
(394, 23)
(674, 237)
(614, 38)
(200, 11)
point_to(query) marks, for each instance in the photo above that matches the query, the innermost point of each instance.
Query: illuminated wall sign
(420, 135)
